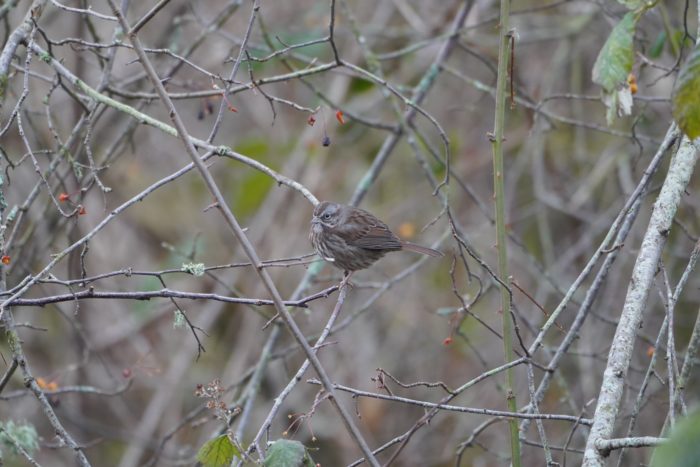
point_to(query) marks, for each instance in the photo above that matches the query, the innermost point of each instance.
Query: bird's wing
(373, 235)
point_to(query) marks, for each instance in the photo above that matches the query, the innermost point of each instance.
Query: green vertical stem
(672, 39)
(499, 188)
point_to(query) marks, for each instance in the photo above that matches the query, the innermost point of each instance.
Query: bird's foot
(346, 281)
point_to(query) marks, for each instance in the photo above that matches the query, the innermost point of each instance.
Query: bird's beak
(315, 220)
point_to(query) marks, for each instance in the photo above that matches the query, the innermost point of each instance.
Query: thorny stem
(502, 244)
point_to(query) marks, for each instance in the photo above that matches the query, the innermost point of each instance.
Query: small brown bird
(353, 239)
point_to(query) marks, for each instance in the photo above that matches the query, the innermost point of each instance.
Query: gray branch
(645, 267)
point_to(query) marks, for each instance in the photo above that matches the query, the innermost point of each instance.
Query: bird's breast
(316, 227)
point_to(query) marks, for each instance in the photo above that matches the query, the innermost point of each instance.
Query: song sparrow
(352, 238)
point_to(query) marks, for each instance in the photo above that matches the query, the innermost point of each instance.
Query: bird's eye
(327, 216)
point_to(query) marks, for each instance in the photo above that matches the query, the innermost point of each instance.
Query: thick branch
(615, 375)
(607, 445)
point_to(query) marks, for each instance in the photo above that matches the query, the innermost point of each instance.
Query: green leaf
(218, 452)
(685, 100)
(286, 453)
(249, 191)
(679, 36)
(682, 449)
(358, 86)
(616, 58)
(658, 46)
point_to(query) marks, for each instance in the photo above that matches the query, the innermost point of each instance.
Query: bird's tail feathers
(421, 249)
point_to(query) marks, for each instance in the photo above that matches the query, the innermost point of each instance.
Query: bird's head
(326, 214)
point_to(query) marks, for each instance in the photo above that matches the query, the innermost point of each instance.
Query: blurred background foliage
(567, 175)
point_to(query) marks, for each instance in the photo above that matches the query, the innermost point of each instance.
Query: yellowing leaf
(685, 101)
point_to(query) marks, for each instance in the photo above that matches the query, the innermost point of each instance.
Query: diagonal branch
(645, 267)
(242, 238)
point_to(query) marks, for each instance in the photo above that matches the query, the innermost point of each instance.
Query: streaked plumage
(352, 238)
